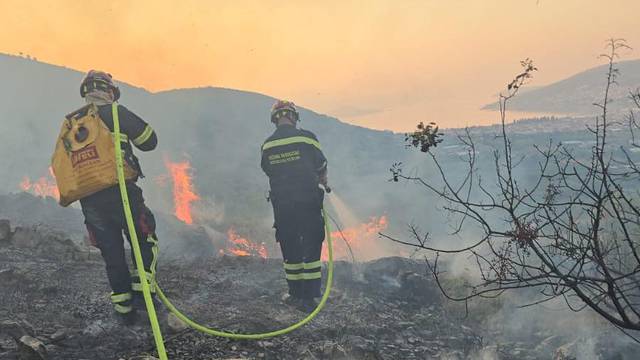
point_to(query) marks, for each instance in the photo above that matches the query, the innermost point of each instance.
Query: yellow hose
(289, 329)
(148, 301)
(145, 286)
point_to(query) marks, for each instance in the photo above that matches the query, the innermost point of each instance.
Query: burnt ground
(57, 293)
(366, 317)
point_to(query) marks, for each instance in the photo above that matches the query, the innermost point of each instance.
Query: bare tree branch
(573, 230)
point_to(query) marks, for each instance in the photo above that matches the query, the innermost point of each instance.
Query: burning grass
(45, 186)
(241, 246)
(184, 194)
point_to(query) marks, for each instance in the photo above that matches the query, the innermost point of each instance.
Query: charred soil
(54, 304)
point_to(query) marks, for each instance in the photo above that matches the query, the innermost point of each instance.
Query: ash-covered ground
(54, 305)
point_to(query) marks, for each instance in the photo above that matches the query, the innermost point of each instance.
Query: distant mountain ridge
(577, 94)
(220, 131)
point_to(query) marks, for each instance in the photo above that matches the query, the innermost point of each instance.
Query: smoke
(551, 328)
(208, 211)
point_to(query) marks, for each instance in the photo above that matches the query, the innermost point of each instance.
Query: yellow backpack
(84, 162)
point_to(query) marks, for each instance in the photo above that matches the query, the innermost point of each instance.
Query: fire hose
(153, 318)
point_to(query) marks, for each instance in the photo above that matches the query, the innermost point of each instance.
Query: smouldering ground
(379, 310)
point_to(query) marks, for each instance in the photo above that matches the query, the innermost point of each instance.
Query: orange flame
(363, 240)
(183, 191)
(240, 246)
(43, 187)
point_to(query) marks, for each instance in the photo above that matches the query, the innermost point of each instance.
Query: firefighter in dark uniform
(103, 212)
(293, 160)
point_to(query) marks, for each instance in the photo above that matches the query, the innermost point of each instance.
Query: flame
(183, 191)
(43, 187)
(363, 240)
(240, 246)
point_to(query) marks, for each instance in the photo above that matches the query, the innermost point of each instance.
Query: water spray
(327, 188)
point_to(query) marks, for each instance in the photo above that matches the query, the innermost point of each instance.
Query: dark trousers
(106, 222)
(300, 232)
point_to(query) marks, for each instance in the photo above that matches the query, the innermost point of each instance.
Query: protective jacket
(136, 130)
(294, 162)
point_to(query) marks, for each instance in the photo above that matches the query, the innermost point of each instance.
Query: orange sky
(386, 64)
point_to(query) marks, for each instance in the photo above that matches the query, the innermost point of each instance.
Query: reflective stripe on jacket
(293, 160)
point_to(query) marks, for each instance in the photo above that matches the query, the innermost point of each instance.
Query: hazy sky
(385, 64)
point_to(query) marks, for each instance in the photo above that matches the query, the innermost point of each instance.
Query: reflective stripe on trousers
(303, 270)
(122, 302)
(151, 274)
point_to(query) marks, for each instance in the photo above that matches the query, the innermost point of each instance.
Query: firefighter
(294, 162)
(103, 212)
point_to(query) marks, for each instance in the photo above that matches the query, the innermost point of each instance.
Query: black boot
(128, 319)
(308, 305)
(293, 301)
(140, 305)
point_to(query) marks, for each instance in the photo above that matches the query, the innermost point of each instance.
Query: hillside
(577, 94)
(219, 131)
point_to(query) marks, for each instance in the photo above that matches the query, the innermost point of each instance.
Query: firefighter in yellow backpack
(85, 170)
